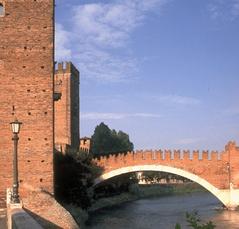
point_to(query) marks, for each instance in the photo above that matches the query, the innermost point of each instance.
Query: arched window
(1, 9)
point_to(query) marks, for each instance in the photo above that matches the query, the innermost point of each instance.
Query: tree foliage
(115, 185)
(106, 141)
(195, 222)
(155, 176)
(74, 176)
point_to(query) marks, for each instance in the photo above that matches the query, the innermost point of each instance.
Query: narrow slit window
(1, 9)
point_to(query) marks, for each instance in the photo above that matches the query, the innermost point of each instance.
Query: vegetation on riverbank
(112, 201)
(195, 222)
(144, 191)
(168, 189)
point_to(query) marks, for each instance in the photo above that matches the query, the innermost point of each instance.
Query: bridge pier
(230, 198)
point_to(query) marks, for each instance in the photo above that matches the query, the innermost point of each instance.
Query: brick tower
(26, 92)
(67, 107)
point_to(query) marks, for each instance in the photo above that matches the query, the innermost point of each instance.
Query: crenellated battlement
(66, 67)
(165, 155)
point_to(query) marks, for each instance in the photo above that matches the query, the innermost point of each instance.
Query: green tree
(124, 141)
(195, 222)
(74, 175)
(102, 139)
(115, 185)
(106, 141)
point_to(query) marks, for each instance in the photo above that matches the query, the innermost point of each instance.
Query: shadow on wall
(74, 177)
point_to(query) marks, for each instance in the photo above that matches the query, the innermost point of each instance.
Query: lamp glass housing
(15, 126)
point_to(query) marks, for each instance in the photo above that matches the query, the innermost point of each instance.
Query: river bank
(145, 191)
(164, 212)
(135, 192)
(169, 189)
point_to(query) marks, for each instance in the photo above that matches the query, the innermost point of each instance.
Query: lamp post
(15, 126)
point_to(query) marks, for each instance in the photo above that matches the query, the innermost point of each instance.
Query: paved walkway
(3, 218)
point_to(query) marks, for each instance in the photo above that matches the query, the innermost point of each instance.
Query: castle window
(1, 9)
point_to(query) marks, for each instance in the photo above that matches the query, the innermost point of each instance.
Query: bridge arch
(222, 195)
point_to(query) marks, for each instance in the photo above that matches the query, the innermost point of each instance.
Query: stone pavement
(3, 218)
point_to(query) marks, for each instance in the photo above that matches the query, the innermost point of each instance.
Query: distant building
(66, 98)
(85, 144)
(142, 180)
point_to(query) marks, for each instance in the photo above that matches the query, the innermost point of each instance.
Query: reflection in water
(225, 218)
(164, 213)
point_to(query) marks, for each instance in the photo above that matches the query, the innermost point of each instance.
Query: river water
(164, 213)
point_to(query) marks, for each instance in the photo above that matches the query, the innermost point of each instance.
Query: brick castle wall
(26, 92)
(67, 107)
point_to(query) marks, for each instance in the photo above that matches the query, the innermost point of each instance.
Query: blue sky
(164, 71)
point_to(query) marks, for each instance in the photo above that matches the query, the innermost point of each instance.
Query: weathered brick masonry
(26, 92)
(67, 107)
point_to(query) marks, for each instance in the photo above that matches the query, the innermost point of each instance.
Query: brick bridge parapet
(213, 169)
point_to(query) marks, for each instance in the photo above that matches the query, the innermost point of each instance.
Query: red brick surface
(26, 92)
(67, 107)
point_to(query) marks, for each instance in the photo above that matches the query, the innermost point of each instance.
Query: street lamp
(15, 130)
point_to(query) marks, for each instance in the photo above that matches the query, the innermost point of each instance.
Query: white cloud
(106, 67)
(224, 9)
(162, 99)
(231, 111)
(115, 116)
(187, 141)
(110, 24)
(62, 40)
(100, 35)
(176, 99)
(235, 8)
(146, 115)
(213, 10)
(103, 24)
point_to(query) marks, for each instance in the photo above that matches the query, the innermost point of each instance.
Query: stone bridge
(218, 172)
